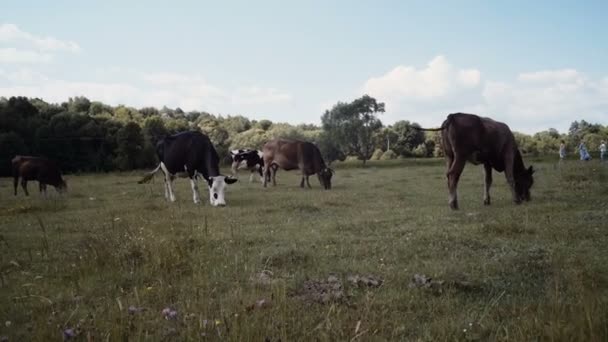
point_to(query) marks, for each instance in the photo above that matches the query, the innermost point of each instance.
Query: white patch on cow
(261, 154)
(168, 183)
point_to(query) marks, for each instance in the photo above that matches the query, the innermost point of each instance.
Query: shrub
(377, 154)
(388, 155)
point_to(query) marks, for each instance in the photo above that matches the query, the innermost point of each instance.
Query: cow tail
(149, 175)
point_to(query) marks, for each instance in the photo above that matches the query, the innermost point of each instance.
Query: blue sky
(533, 65)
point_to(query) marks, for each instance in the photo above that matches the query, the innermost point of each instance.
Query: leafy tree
(236, 124)
(329, 148)
(78, 104)
(352, 125)
(264, 124)
(408, 138)
(11, 144)
(130, 144)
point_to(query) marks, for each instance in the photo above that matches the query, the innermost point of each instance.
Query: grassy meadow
(378, 257)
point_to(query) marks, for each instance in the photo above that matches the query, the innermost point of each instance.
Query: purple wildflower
(68, 334)
(169, 313)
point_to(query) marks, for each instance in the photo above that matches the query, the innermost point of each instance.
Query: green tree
(11, 144)
(352, 125)
(130, 142)
(329, 148)
(408, 138)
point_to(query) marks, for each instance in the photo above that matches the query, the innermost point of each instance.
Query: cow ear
(230, 180)
(531, 170)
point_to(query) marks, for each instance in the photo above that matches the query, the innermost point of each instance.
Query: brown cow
(483, 141)
(295, 154)
(45, 171)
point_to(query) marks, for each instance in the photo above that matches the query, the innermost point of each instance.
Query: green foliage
(408, 138)
(11, 144)
(84, 136)
(329, 148)
(353, 125)
(130, 142)
(264, 124)
(377, 154)
(388, 155)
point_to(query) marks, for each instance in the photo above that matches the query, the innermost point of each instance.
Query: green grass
(537, 271)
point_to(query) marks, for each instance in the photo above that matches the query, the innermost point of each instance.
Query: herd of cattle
(465, 137)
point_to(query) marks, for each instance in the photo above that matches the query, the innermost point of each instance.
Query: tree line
(90, 136)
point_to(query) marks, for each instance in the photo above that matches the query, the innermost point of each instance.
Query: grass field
(288, 264)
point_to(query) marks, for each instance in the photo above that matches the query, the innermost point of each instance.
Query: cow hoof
(486, 201)
(454, 205)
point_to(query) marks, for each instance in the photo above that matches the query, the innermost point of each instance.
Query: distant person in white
(603, 153)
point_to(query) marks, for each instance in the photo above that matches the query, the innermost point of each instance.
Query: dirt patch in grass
(333, 290)
(321, 291)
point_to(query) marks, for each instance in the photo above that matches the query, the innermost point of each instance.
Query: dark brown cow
(488, 142)
(43, 170)
(294, 154)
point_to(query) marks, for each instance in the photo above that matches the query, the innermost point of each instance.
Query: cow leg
(302, 182)
(24, 186)
(15, 183)
(261, 172)
(251, 176)
(195, 195)
(168, 183)
(308, 183)
(453, 177)
(273, 173)
(266, 175)
(487, 183)
(42, 188)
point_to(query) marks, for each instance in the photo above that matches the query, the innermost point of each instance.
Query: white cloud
(425, 94)
(540, 100)
(13, 55)
(10, 33)
(437, 79)
(531, 102)
(189, 92)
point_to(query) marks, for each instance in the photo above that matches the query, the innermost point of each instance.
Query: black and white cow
(191, 153)
(251, 160)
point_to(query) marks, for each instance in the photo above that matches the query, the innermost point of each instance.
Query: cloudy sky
(532, 64)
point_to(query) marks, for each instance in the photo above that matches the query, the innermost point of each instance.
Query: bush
(388, 155)
(377, 154)
(420, 151)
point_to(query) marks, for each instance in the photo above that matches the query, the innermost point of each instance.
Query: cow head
(325, 177)
(523, 183)
(62, 187)
(217, 187)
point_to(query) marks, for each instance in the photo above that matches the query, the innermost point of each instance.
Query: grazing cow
(251, 160)
(191, 153)
(44, 170)
(483, 141)
(294, 154)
